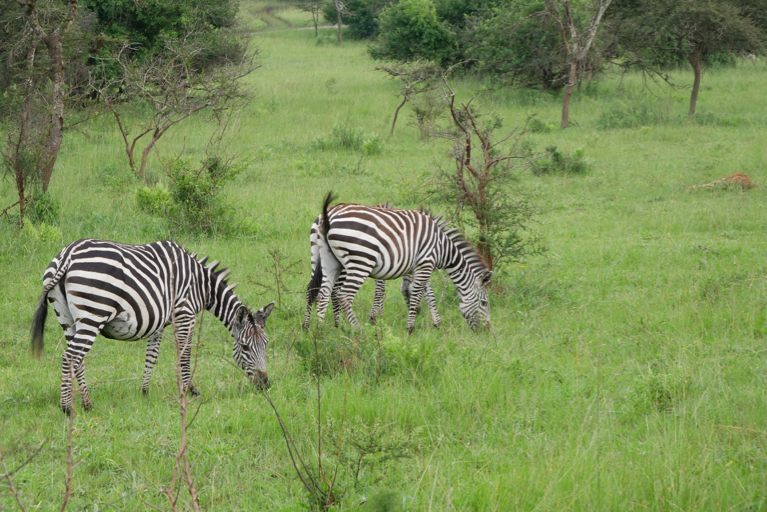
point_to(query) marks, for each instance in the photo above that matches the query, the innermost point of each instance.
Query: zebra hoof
(145, 391)
(194, 391)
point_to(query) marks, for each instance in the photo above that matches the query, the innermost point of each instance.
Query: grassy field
(625, 369)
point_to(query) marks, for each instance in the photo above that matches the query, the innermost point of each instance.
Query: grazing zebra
(364, 241)
(380, 286)
(131, 292)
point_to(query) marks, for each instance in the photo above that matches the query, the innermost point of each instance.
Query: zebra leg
(431, 301)
(184, 325)
(405, 288)
(84, 395)
(308, 315)
(72, 367)
(351, 286)
(152, 351)
(80, 337)
(336, 306)
(378, 300)
(326, 291)
(420, 279)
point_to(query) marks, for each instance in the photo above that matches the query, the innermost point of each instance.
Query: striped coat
(383, 243)
(131, 292)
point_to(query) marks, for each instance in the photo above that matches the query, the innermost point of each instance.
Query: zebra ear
(262, 314)
(485, 279)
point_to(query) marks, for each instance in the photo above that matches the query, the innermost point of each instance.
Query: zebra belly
(122, 327)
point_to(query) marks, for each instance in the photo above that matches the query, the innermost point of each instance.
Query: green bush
(193, 202)
(557, 162)
(154, 200)
(537, 126)
(346, 138)
(411, 30)
(43, 208)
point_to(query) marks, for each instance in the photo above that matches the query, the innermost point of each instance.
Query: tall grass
(624, 370)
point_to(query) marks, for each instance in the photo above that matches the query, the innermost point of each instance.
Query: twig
(7, 476)
(313, 489)
(70, 462)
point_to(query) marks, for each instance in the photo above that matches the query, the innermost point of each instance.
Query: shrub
(193, 202)
(537, 126)
(346, 138)
(411, 30)
(557, 162)
(43, 208)
(154, 200)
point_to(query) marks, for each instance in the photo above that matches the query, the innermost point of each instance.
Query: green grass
(624, 370)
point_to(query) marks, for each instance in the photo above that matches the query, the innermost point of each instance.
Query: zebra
(131, 292)
(367, 241)
(380, 286)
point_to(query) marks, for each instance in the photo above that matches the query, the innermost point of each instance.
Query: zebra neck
(224, 304)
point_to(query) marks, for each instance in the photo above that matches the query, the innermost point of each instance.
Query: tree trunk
(55, 46)
(339, 8)
(694, 60)
(572, 76)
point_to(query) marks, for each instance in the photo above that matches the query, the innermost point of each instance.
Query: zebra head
(250, 343)
(474, 305)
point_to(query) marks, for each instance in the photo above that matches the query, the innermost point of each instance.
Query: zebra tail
(38, 325)
(325, 223)
(313, 290)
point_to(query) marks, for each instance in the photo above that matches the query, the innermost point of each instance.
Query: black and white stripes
(356, 242)
(131, 292)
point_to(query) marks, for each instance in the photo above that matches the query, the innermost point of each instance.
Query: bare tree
(577, 44)
(340, 11)
(481, 183)
(416, 79)
(313, 7)
(173, 89)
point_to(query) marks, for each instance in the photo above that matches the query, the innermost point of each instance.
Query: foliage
(367, 449)
(43, 207)
(517, 46)
(149, 24)
(482, 190)
(411, 30)
(691, 28)
(194, 201)
(360, 17)
(346, 138)
(557, 162)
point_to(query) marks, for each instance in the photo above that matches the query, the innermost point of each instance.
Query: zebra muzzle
(261, 380)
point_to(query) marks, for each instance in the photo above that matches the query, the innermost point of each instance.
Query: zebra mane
(473, 258)
(218, 274)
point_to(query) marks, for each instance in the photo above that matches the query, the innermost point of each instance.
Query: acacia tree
(576, 43)
(313, 7)
(172, 89)
(692, 28)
